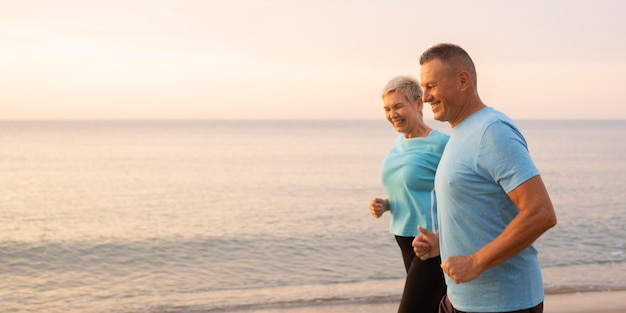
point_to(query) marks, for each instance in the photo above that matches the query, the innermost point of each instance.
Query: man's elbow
(549, 218)
(553, 221)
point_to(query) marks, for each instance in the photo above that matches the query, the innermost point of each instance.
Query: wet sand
(589, 302)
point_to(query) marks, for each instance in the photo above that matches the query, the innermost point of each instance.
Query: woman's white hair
(406, 85)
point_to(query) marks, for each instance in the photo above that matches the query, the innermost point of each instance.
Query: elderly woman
(408, 174)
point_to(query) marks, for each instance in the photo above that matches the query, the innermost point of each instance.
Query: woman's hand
(426, 244)
(378, 206)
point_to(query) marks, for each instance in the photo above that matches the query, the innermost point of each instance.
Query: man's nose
(426, 97)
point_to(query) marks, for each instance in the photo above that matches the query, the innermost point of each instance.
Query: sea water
(216, 216)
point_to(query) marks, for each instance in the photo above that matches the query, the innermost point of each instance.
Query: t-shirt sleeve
(505, 156)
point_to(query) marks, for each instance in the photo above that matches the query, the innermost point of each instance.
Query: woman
(408, 175)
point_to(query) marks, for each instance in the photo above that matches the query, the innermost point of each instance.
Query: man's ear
(464, 80)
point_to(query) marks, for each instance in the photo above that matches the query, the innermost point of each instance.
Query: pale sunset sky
(301, 59)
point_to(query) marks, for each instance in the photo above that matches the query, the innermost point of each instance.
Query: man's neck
(467, 111)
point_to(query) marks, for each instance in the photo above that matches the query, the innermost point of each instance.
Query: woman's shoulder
(439, 136)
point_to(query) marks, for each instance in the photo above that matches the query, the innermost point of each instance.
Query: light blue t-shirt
(408, 174)
(485, 159)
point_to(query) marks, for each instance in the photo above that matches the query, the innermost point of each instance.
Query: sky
(301, 59)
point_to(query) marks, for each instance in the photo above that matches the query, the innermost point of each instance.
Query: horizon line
(270, 119)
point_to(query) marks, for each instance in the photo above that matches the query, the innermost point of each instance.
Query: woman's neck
(421, 130)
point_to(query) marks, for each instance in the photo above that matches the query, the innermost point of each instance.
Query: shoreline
(586, 301)
(561, 301)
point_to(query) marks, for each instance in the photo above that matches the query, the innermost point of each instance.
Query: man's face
(439, 90)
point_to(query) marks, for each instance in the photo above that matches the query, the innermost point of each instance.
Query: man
(492, 202)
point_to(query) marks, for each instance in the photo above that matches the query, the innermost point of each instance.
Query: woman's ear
(420, 104)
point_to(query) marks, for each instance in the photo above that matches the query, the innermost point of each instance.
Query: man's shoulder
(492, 120)
(489, 115)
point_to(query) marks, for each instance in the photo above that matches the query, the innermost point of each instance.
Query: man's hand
(461, 269)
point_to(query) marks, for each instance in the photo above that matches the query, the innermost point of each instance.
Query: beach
(579, 302)
(264, 216)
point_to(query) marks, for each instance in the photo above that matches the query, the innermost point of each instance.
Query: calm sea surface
(220, 216)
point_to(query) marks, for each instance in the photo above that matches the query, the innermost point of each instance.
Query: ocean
(229, 216)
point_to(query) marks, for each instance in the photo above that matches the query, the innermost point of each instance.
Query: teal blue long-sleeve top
(408, 175)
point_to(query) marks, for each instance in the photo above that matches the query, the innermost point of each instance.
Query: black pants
(446, 307)
(425, 286)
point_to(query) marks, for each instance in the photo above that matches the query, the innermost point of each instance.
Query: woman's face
(402, 114)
